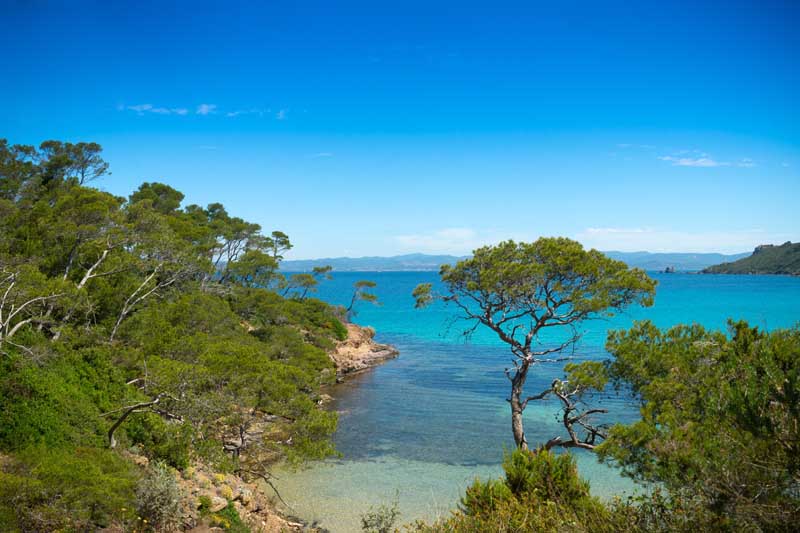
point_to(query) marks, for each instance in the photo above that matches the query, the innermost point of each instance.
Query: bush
(79, 489)
(229, 519)
(482, 497)
(541, 491)
(381, 519)
(158, 498)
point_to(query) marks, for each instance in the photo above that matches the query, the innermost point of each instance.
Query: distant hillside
(424, 262)
(408, 262)
(766, 259)
(680, 262)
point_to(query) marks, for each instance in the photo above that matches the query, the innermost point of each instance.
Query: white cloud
(206, 109)
(456, 241)
(699, 158)
(668, 240)
(321, 154)
(253, 111)
(141, 109)
(202, 109)
(693, 161)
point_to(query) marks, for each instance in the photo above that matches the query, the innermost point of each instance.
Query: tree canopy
(521, 290)
(140, 324)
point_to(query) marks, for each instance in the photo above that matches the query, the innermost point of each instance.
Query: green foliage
(720, 420)
(361, 293)
(521, 275)
(80, 489)
(545, 475)
(766, 259)
(161, 197)
(230, 520)
(255, 269)
(520, 290)
(483, 497)
(58, 403)
(150, 323)
(161, 441)
(540, 492)
(587, 375)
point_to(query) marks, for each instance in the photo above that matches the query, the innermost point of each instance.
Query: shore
(360, 352)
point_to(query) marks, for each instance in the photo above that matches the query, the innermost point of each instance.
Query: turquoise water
(420, 428)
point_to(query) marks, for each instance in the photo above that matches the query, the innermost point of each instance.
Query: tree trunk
(518, 406)
(517, 428)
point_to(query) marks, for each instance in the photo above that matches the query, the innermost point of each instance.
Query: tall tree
(81, 161)
(520, 290)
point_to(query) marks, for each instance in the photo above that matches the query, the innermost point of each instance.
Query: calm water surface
(420, 428)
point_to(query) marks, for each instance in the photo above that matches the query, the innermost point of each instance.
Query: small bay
(420, 428)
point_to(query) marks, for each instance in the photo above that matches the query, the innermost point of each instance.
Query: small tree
(519, 290)
(361, 294)
(304, 283)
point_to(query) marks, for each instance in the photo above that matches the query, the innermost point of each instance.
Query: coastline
(359, 352)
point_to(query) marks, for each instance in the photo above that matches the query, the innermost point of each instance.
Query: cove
(420, 428)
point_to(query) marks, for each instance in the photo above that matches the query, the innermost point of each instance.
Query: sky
(382, 128)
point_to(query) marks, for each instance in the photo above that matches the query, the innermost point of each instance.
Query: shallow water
(420, 428)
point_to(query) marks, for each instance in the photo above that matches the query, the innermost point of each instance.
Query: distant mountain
(423, 262)
(408, 262)
(679, 262)
(766, 259)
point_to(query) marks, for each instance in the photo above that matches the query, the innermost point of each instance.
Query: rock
(218, 504)
(202, 480)
(359, 351)
(245, 496)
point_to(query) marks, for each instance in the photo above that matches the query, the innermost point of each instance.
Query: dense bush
(52, 489)
(540, 492)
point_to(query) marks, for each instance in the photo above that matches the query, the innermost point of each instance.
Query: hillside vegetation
(133, 327)
(766, 259)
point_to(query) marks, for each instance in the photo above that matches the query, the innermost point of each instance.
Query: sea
(417, 430)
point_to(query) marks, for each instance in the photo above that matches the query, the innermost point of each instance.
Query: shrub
(381, 519)
(229, 519)
(158, 498)
(79, 489)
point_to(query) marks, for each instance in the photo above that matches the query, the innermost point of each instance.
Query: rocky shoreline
(359, 351)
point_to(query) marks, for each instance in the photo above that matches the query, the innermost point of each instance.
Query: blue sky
(377, 128)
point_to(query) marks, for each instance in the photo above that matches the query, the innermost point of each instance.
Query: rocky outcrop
(206, 493)
(360, 351)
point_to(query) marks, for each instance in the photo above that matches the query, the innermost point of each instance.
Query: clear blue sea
(420, 428)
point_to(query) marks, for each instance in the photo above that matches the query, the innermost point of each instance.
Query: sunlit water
(420, 428)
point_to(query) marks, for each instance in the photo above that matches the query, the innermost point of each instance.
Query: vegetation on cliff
(136, 324)
(766, 259)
